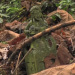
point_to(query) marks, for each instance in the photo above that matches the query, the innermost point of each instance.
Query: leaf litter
(65, 39)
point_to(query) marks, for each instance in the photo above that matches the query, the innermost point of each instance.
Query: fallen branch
(18, 61)
(40, 34)
(22, 60)
(46, 31)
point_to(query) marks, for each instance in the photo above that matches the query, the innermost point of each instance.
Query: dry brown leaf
(59, 70)
(58, 38)
(3, 45)
(70, 30)
(19, 26)
(17, 39)
(27, 4)
(4, 51)
(72, 35)
(65, 16)
(51, 61)
(63, 54)
(9, 25)
(73, 71)
(8, 35)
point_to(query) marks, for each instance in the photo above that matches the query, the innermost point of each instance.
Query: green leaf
(0, 10)
(4, 42)
(1, 20)
(12, 9)
(60, 7)
(57, 4)
(54, 17)
(3, 15)
(58, 15)
(73, 9)
(69, 0)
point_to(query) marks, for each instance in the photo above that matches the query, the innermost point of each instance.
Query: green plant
(4, 42)
(2, 13)
(68, 5)
(9, 10)
(14, 7)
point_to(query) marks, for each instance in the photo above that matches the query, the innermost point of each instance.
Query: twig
(2, 65)
(11, 57)
(22, 60)
(18, 61)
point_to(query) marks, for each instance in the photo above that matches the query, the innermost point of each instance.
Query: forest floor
(13, 41)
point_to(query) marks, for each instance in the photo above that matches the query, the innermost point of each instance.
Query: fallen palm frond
(65, 16)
